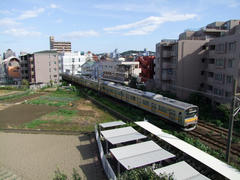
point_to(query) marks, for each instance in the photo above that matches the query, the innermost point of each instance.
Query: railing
(106, 166)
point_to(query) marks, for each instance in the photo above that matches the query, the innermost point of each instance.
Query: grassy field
(74, 113)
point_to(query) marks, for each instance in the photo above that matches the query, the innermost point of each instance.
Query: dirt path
(37, 156)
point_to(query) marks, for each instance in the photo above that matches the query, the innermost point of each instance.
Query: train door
(172, 115)
(154, 107)
(139, 101)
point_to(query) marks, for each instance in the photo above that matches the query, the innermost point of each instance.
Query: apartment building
(222, 65)
(189, 63)
(40, 67)
(178, 64)
(60, 47)
(119, 71)
(71, 62)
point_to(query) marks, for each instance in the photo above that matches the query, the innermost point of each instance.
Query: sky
(104, 25)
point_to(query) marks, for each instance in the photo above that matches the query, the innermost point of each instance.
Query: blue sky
(102, 26)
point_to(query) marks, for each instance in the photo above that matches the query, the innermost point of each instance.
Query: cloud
(79, 34)
(31, 13)
(5, 12)
(8, 22)
(53, 6)
(21, 32)
(148, 25)
(59, 21)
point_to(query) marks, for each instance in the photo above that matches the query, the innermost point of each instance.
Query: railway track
(219, 130)
(214, 136)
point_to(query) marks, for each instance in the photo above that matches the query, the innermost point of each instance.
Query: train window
(145, 102)
(133, 98)
(162, 108)
(154, 106)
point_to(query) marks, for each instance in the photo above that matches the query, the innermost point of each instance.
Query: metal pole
(231, 121)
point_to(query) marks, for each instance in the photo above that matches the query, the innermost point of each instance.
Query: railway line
(215, 141)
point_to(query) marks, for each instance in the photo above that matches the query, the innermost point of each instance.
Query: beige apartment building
(40, 67)
(199, 61)
(60, 47)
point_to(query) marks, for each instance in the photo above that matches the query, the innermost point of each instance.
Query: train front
(191, 118)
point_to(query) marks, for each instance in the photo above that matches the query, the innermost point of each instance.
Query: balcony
(168, 65)
(166, 54)
(210, 80)
(166, 76)
(211, 67)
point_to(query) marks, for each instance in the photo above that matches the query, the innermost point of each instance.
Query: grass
(16, 96)
(58, 98)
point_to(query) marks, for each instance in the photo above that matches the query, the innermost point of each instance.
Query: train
(181, 113)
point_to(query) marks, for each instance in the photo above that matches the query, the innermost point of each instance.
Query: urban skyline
(25, 25)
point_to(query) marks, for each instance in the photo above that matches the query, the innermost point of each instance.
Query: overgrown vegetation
(58, 175)
(218, 115)
(144, 174)
(58, 98)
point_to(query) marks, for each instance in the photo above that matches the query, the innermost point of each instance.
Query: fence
(106, 166)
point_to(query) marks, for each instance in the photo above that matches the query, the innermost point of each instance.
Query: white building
(71, 62)
(119, 71)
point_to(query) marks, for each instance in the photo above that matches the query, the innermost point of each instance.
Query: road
(37, 156)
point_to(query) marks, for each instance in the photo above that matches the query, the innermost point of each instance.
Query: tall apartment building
(40, 67)
(60, 47)
(188, 63)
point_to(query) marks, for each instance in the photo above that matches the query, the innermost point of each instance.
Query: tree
(133, 82)
(25, 83)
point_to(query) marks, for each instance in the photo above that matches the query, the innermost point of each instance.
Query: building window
(229, 79)
(232, 46)
(49, 70)
(49, 63)
(55, 69)
(55, 76)
(220, 48)
(79, 59)
(55, 62)
(211, 61)
(220, 62)
(218, 77)
(230, 63)
(202, 72)
(72, 59)
(218, 91)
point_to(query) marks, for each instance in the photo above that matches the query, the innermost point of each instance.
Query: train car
(181, 113)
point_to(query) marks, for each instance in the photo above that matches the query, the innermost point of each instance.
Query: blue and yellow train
(181, 113)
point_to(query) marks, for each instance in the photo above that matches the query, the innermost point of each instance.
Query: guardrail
(106, 166)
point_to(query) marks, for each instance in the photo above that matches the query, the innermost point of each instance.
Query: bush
(61, 176)
(144, 174)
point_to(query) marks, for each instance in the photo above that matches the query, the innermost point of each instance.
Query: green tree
(133, 82)
(25, 83)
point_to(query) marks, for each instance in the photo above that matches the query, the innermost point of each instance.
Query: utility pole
(231, 121)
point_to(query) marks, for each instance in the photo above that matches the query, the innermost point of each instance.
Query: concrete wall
(189, 66)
